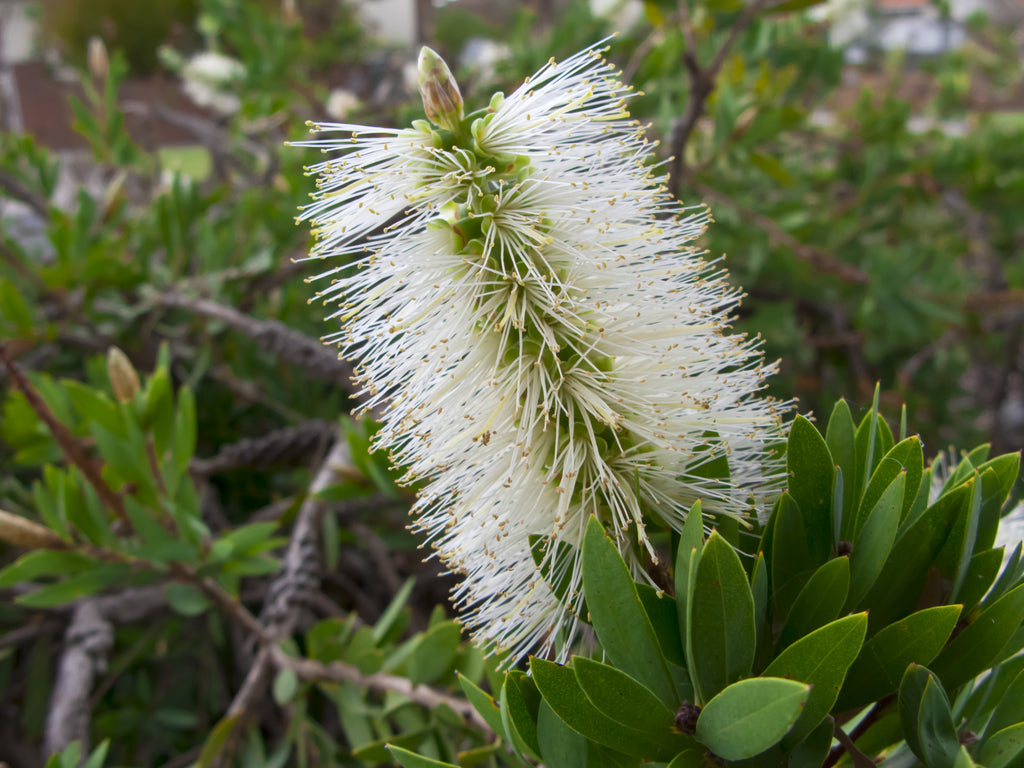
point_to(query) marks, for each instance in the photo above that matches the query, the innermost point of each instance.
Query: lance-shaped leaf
(1010, 709)
(874, 539)
(619, 618)
(879, 668)
(723, 634)
(899, 585)
(482, 702)
(811, 473)
(791, 561)
(519, 705)
(927, 720)
(840, 436)
(750, 716)
(408, 759)
(560, 745)
(980, 643)
(691, 544)
(1002, 748)
(561, 690)
(820, 601)
(621, 697)
(821, 660)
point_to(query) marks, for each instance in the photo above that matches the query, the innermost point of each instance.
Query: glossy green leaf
(1010, 709)
(691, 544)
(1003, 747)
(927, 719)
(618, 617)
(562, 692)
(519, 707)
(882, 479)
(979, 644)
(981, 574)
(482, 702)
(811, 473)
(662, 611)
(791, 562)
(878, 670)
(812, 751)
(750, 716)
(874, 540)
(408, 759)
(724, 637)
(621, 697)
(821, 660)
(898, 588)
(954, 558)
(433, 655)
(285, 686)
(840, 436)
(819, 602)
(560, 745)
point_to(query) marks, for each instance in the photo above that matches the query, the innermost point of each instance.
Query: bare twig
(338, 672)
(88, 639)
(278, 446)
(274, 336)
(702, 83)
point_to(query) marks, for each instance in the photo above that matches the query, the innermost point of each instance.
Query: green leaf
(819, 602)
(979, 644)
(560, 746)
(186, 599)
(382, 629)
(1010, 709)
(881, 480)
(286, 685)
(812, 751)
(434, 653)
(662, 611)
(215, 742)
(840, 436)
(811, 474)
(873, 542)
(899, 585)
(619, 618)
(519, 705)
(981, 574)
(482, 702)
(621, 697)
(724, 637)
(82, 585)
(688, 552)
(821, 660)
(750, 716)
(771, 165)
(561, 690)
(916, 639)
(1002, 748)
(910, 454)
(791, 562)
(408, 759)
(927, 719)
(44, 562)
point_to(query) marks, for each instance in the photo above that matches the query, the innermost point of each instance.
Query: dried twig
(279, 446)
(338, 672)
(276, 337)
(702, 83)
(13, 188)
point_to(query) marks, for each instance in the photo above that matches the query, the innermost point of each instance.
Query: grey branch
(280, 446)
(277, 338)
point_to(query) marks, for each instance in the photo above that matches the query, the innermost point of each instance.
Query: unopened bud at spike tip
(123, 377)
(442, 100)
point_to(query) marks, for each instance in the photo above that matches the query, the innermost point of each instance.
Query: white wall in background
(17, 33)
(393, 21)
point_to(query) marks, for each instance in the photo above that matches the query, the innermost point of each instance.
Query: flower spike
(528, 311)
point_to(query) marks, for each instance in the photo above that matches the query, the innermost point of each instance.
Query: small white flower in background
(340, 102)
(210, 79)
(482, 55)
(622, 13)
(542, 338)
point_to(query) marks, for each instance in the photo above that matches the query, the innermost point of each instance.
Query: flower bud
(99, 61)
(442, 100)
(123, 377)
(19, 532)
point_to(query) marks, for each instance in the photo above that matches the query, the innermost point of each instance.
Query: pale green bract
(543, 340)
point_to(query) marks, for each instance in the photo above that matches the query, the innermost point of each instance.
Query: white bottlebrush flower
(209, 79)
(543, 340)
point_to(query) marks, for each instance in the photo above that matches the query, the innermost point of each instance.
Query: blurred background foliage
(869, 208)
